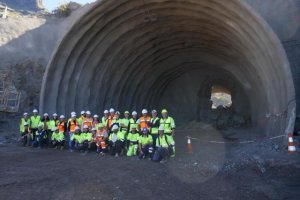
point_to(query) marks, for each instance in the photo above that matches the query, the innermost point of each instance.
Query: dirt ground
(213, 171)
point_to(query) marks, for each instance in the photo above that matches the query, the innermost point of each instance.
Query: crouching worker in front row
(132, 139)
(145, 145)
(41, 137)
(25, 135)
(83, 140)
(100, 140)
(116, 141)
(57, 139)
(164, 147)
(73, 139)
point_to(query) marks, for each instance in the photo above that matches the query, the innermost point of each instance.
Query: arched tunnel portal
(167, 54)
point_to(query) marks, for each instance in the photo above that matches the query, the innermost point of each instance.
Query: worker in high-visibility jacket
(133, 139)
(34, 122)
(74, 138)
(117, 120)
(164, 147)
(57, 139)
(154, 125)
(47, 127)
(24, 119)
(79, 139)
(125, 127)
(145, 145)
(116, 141)
(62, 124)
(134, 120)
(110, 119)
(101, 140)
(71, 126)
(96, 121)
(169, 127)
(88, 120)
(80, 119)
(54, 121)
(26, 134)
(144, 121)
(40, 137)
(105, 118)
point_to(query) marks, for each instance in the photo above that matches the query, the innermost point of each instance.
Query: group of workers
(148, 137)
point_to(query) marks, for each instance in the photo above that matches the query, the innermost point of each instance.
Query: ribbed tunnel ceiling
(116, 57)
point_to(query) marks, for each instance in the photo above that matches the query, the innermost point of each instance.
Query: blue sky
(52, 4)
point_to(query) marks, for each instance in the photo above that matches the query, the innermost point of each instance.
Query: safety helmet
(164, 111)
(100, 125)
(154, 111)
(145, 130)
(105, 112)
(77, 128)
(46, 115)
(82, 112)
(144, 111)
(73, 113)
(96, 116)
(85, 126)
(34, 111)
(126, 112)
(88, 112)
(25, 114)
(115, 127)
(62, 117)
(111, 110)
(54, 129)
(118, 113)
(94, 129)
(54, 115)
(134, 113)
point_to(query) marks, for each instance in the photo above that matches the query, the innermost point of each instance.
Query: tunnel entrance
(161, 63)
(220, 96)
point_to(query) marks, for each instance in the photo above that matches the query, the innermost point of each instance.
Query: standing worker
(88, 120)
(72, 124)
(100, 140)
(80, 119)
(54, 121)
(125, 126)
(168, 124)
(133, 139)
(34, 122)
(154, 125)
(105, 118)
(62, 124)
(144, 121)
(134, 120)
(25, 134)
(96, 121)
(24, 119)
(110, 119)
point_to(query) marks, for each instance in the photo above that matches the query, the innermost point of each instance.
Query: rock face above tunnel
(130, 55)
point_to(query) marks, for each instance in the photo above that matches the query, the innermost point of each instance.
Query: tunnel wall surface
(132, 54)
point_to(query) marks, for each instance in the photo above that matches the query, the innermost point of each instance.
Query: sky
(52, 4)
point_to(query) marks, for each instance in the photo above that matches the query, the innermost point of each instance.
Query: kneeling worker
(164, 147)
(132, 139)
(116, 141)
(57, 139)
(145, 145)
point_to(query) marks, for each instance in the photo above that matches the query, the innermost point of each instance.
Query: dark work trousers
(116, 147)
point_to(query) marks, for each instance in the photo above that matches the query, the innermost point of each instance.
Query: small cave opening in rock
(220, 96)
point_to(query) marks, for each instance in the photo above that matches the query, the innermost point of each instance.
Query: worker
(88, 120)
(40, 137)
(80, 119)
(164, 147)
(79, 139)
(144, 120)
(116, 120)
(154, 125)
(57, 139)
(96, 121)
(105, 118)
(74, 138)
(88, 141)
(110, 119)
(25, 134)
(34, 122)
(54, 121)
(145, 145)
(47, 127)
(169, 127)
(100, 140)
(133, 120)
(116, 141)
(132, 138)
(24, 119)
(71, 126)
(62, 124)
(125, 127)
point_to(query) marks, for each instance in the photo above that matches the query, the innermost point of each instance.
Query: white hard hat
(77, 128)
(111, 110)
(46, 114)
(62, 117)
(25, 124)
(82, 112)
(96, 116)
(154, 111)
(88, 112)
(118, 113)
(40, 125)
(105, 112)
(134, 113)
(35, 111)
(94, 129)
(85, 126)
(73, 113)
(25, 114)
(54, 115)
(161, 128)
(144, 111)
(115, 127)
(54, 129)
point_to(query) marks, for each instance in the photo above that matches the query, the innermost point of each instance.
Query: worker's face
(112, 113)
(40, 128)
(115, 130)
(62, 119)
(145, 114)
(26, 127)
(88, 115)
(145, 132)
(57, 131)
(74, 118)
(85, 129)
(133, 130)
(35, 113)
(126, 115)
(96, 118)
(77, 131)
(164, 115)
(154, 114)
(55, 117)
(106, 115)
(83, 115)
(25, 116)
(134, 116)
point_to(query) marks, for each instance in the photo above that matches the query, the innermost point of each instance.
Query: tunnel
(168, 54)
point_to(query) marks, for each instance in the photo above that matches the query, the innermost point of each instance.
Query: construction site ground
(215, 170)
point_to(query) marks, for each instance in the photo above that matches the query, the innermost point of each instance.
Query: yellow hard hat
(164, 111)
